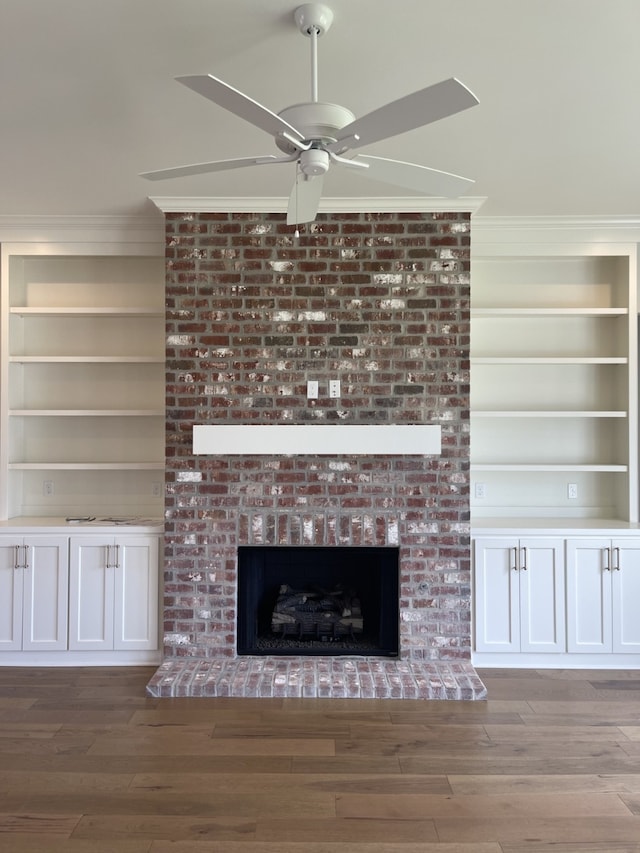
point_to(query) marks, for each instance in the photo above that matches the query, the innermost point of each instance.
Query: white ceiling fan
(317, 136)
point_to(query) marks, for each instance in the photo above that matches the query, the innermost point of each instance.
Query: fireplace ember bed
(318, 601)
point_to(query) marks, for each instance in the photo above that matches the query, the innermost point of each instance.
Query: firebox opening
(318, 601)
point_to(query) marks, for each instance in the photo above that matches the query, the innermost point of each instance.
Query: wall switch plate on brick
(334, 387)
(312, 390)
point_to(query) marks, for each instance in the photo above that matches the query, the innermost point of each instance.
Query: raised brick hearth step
(316, 677)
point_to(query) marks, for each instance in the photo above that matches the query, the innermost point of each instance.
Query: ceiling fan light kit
(316, 136)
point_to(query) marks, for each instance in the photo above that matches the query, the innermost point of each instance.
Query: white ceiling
(88, 99)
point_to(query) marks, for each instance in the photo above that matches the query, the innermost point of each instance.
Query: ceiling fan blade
(236, 102)
(304, 200)
(215, 166)
(414, 177)
(415, 110)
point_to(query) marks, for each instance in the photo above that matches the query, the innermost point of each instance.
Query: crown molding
(82, 229)
(555, 229)
(555, 222)
(235, 204)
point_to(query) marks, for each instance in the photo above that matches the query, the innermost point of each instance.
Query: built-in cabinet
(603, 595)
(519, 595)
(34, 582)
(85, 598)
(553, 601)
(113, 587)
(554, 442)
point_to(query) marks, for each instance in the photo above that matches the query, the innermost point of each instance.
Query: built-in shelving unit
(553, 381)
(82, 391)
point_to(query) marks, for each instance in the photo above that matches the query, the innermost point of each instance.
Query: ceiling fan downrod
(313, 20)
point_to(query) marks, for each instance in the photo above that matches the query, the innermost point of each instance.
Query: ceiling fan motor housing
(317, 122)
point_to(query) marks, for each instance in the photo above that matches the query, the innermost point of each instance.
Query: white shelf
(556, 413)
(501, 313)
(541, 466)
(86, 359)
(546, 360)
(86, 466)
(26, 311)
(87, 413)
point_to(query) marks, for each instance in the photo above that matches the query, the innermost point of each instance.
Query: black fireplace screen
(318, 600)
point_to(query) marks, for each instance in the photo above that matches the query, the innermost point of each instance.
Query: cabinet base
(67, 658)
(506, 660)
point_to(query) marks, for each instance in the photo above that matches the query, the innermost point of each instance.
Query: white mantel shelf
(317, 439)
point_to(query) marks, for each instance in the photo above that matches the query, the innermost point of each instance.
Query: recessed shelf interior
(84, 369)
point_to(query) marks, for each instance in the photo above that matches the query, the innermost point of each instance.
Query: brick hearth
(322, 678)
(380, 302)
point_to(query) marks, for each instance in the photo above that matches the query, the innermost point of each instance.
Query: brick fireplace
(379, 302)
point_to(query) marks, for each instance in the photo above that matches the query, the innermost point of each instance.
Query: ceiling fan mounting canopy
(313, 17)
(317, 136)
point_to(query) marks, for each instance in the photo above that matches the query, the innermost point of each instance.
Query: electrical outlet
(47, 488)
(572, 491)
(156, 490)
(480, 491)
(312, 389)
(334, 387)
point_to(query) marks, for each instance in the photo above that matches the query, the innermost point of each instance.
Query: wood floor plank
(82, 763)
(186, 743)
(63, 783)
(312, 846)
(38, 843)
(562, 784)
(200, 804)
(117, 828)
(536, 733)
(348, 831)
(570, 847)
(40, 823)
(499, 806)
(252, 783)
(582, 830)
(348, 764)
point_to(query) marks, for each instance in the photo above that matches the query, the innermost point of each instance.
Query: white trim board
(316, 439)
(417, 204)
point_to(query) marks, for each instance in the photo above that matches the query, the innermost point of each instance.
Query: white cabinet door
(11, 581)
(136, 593)
(46, 593)
(91, 587)
(589, 615)
(497, 583)
(114, 593)
(33, 593)
(519, 595)
(542, 597)
(625, 579)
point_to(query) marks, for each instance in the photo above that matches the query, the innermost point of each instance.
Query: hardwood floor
(550, 763)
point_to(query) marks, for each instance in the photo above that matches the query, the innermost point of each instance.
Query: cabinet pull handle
(515, 559)
(524, 558)
(607, 563)
(25, 564)
(16, 557)
(116, 565)
(108, 556)
(616, 562)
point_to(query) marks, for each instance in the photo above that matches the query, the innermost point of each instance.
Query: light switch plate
(312, 389)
